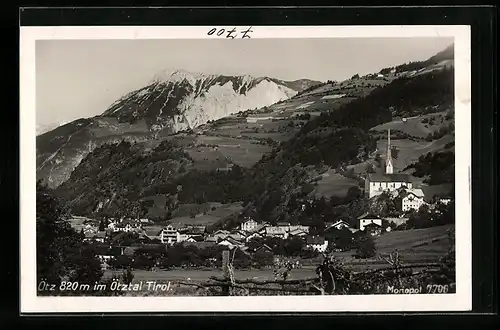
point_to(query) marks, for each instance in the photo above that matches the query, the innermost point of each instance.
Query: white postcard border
(460, 301)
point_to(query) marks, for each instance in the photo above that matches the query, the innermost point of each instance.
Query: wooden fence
(332, 279)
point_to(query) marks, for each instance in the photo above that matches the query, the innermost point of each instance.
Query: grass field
(204, 275)
(417, 126)
(410, 151)
(415, 246)
(222, 150)
(333, 184)
(211, 217)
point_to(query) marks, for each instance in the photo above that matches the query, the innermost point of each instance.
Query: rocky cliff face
(178, 100)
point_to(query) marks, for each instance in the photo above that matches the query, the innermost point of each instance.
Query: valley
(190, 165)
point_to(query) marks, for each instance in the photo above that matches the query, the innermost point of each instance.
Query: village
(113, 238)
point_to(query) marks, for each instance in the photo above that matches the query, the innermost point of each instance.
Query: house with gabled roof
(194, 238)
(340, 224)
(298, 227)
(297, 233)
(367, 219)
(413, 199)
(263, 247)
(238, 234)
(261, 229)
(230, 242)
(218, 235)
(318, 243)
(249, 225)
(153, 232)
(128, 225)
(373, 229)
(171, 234)
(254, 235)
(100, 236)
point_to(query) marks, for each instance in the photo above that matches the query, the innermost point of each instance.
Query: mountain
(171, 102)
(317, 146)
(179, 100)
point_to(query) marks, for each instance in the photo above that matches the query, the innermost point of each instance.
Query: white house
(367, 219)
(280, 230)
(317, 243)
(413, 200)
(249, 225)
(376, 184)
(445, 201)
(170, 234)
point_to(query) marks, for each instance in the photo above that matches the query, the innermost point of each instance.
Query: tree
(87, 268)
(444, 214)
(127, 276)
(293, 246)
(394, 152)
(365, 247)
(122, 261)
(60, 250)
(356, 76)
(142, 262)
(340, 238)
(263, 258)
(370, 168)
(101, 225)
(421, 218)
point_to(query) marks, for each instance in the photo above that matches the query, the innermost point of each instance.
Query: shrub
(365, 247)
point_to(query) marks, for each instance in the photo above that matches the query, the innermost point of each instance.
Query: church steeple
(388, 160)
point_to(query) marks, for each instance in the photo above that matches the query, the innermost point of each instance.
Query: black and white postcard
(246, 168)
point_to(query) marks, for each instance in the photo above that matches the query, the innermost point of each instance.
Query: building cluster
(401, 184)
(240, 236)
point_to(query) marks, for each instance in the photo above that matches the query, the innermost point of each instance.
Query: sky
(82, 78)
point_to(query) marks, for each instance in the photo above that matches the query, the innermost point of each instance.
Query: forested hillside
(279, 186)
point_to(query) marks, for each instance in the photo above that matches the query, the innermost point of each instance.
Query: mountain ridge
(332, 148)
(173, 101)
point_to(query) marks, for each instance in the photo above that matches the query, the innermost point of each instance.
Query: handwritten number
(245, 33)
(231, 33)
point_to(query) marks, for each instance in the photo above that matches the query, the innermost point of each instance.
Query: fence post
(225, 270)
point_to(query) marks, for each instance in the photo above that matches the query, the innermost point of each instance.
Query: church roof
(397, 177)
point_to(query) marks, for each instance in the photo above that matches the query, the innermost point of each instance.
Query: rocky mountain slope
(171, 102)
(313, 149)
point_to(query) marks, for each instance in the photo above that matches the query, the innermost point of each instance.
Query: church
(376, 184)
